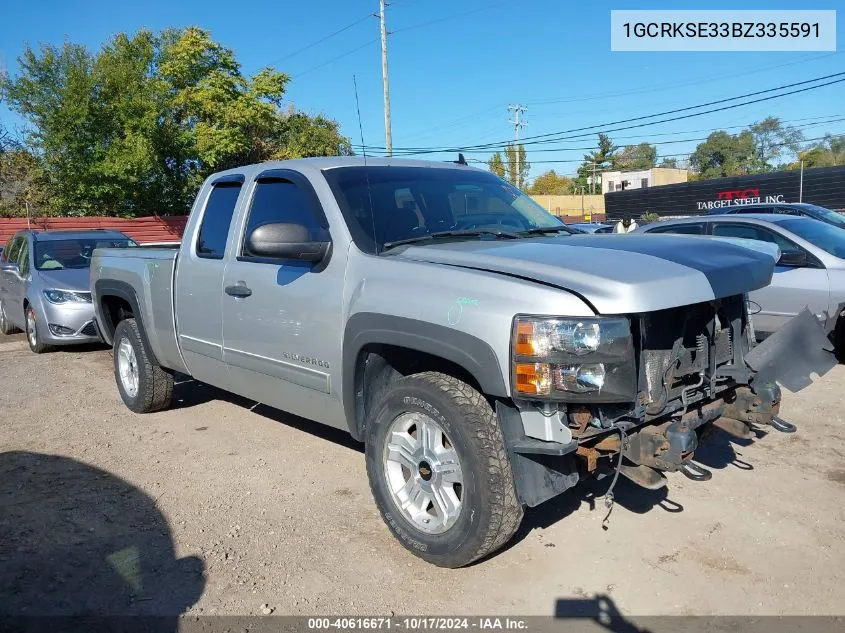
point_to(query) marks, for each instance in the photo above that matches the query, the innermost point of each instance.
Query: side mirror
(286, 241)
(795, 259)
(9, 267)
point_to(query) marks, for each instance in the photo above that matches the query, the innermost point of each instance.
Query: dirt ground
(223, 507)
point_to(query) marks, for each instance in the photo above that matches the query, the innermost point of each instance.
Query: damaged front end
(698, 369)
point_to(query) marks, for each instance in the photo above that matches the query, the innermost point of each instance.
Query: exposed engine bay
(698, 370)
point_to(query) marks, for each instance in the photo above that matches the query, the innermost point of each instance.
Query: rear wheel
(6, 326)
(143, 385)
(439, 471)
(32, 336)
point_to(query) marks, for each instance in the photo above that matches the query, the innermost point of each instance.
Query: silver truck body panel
(149, 272)
(618, 274)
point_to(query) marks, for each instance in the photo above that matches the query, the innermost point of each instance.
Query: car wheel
(144, 386)
(6, 326)
(439, 471)
(32, 336)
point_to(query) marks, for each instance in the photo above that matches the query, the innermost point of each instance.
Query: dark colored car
(786, 208)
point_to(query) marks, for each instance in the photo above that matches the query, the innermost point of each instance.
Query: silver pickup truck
(488, 357)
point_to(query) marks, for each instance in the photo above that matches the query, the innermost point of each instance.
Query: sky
(455, 66)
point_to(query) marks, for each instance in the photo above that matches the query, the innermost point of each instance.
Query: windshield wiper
(444, 234)
(542, 230)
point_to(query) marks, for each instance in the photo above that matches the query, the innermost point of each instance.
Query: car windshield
(384, 205)
(72, 253)
(826, 214)
(826, 236)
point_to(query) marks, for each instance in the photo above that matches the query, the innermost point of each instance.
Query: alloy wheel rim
(31, 328)
(423, 472)
(127, 368)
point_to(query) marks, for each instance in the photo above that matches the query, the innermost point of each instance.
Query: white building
(642, 179)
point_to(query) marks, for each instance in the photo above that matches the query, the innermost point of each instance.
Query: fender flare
(474, 355)
(122, 290)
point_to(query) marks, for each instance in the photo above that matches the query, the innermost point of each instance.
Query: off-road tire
(6, 326)
(39, 347)
(155, 384)
(490, 511)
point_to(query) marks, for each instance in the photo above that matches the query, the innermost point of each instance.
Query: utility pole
(388, 134)
(801, 186)
(518, 124)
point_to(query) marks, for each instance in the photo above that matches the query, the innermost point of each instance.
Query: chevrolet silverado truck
(487, 357)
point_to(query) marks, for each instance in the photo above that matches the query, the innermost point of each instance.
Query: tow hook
(695, 472)
(782, 425)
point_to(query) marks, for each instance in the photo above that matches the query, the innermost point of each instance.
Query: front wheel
(32, 336)
(144, 386)
(439, 471)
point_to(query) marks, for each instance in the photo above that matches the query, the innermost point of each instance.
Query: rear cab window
(217, 217)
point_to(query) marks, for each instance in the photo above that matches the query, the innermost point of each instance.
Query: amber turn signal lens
(525, 344)
(532, 378)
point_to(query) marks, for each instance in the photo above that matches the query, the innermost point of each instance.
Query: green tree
(827, 153)
(497, 165)
(21, 184)
(504, 165)
(724, 154)
(516, 165)
(635, 157)
(772, 139)
(669, 163)
(596, 162)
(135, 127)
(550, 184)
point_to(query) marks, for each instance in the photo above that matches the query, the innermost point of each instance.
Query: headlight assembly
(573, 359)
(67, 296)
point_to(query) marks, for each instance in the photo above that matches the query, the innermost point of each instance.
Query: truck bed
(148, 274)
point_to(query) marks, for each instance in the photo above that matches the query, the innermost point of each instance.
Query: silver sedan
(45, 285)
(811, 270)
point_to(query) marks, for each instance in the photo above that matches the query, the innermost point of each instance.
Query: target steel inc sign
(823, 186)
(751, 195)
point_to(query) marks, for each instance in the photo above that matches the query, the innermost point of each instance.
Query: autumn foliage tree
(550, 184)
(135, 127)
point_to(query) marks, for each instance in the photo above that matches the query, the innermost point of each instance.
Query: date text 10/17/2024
(418, 623)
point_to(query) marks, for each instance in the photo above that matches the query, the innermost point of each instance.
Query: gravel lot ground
(223, 507)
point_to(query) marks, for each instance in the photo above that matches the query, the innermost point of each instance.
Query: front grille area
(89, 329)
(682, 347)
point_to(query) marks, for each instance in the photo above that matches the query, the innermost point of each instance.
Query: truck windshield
(384, 205)
(73, 253)
(826, 236)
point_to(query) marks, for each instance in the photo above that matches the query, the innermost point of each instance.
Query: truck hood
(617, 274)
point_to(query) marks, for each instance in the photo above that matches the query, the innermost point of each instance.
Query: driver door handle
(239, 291)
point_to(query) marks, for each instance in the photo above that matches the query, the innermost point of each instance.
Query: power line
(669, 142)
(829, 118)
(603, 127)
(663, 87)
(334, 59)
(660, 88)
(321, 40)
(678, 155)
(447, 18)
